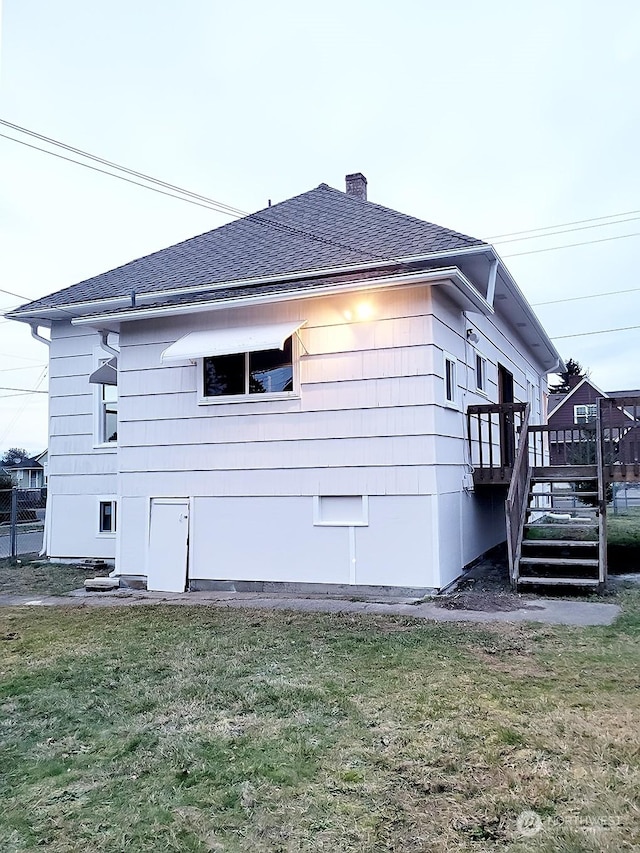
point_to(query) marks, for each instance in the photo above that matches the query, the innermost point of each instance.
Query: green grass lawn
(206, 729)
(25, 577)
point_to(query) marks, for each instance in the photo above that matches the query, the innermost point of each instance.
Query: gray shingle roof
(319, 229)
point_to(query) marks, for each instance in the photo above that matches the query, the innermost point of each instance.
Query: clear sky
(487, 117)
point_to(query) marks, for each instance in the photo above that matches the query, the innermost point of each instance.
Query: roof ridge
(400, 214)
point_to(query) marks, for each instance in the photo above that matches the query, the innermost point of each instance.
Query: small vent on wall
(341, 511)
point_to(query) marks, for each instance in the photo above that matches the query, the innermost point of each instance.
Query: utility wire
(23, 390)
(597, 332)
(588, 296)
(234, 211)
(26, 367)
(572, 245)
(11, 293)
(119, 177)
(566, 224)
(22, 408)
(565, 231)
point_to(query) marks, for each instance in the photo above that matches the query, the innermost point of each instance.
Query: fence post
(13, 523)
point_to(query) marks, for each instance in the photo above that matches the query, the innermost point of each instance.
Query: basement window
(107, 516)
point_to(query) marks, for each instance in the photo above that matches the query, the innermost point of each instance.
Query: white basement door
(168, 545)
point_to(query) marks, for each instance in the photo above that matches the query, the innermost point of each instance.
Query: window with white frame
(481, 373)
(261, 372)
(108, 414)
(450, 379)
(107, 516)
(585, 414)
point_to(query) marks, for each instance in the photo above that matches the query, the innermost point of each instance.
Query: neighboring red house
(573, 415)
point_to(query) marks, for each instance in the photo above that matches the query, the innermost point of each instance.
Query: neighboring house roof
(635, 393)
(555, 400)
(320, 229)
(561, 399)
(24, 463)
(558, 400)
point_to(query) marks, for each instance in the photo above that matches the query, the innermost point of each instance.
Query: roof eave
(463, 290)
(89, 306)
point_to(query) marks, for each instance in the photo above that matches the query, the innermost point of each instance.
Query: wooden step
(562, 543)
(567, 494)
(583, 525)
(558, 561)
(588, 510)
(559, 581)
(564, 473)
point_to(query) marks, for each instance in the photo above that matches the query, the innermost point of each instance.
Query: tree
(574, 368)
(13, 456)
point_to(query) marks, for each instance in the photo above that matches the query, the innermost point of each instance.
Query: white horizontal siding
(78, 474)
(78, 483)
(409, 480)
(293, 426)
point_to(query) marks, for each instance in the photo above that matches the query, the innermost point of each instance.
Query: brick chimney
(357, 186)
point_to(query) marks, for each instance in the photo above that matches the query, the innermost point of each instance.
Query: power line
(20, 357)
(573, 245)
(27, 367)
(566, 224)
(10, 292)
(234, 211)
(23, 390)
(22, 408)
(114, 175)
(588, 296)
(597, 332)
(565, 231)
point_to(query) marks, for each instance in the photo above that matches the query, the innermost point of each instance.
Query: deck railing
(518, 498)
(493, 432)
(575, 446)
(619, 419)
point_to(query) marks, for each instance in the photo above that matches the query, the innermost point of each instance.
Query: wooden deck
(541, 465)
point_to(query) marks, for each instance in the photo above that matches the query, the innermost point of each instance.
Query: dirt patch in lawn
(486, 587)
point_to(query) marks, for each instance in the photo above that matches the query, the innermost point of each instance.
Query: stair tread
(558, 510)
(583, 525)
(560, 581)
(563, 494)
(563, 543)
(558, 561)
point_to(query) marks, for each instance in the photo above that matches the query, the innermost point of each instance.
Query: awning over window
(229, 341)
(106, 374)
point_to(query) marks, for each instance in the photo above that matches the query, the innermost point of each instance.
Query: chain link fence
(21, 521)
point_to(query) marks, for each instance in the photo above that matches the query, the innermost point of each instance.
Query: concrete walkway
(551, 611)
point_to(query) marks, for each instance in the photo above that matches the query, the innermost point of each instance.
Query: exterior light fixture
(364, 311)
(472, 337)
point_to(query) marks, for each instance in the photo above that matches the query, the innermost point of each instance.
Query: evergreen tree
(574, 368)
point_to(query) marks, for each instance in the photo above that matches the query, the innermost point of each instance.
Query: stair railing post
(13, 523)
(602, 497)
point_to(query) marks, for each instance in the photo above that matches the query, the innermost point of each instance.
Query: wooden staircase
(563, 537)
(554, 538)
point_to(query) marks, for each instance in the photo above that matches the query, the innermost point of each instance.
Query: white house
(283, 399)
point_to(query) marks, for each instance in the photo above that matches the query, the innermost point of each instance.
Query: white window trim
(588, 417)
(226, 399)
(112, 499)
(317, 518)
(99, 357)
(479, 389)
(455, 402)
